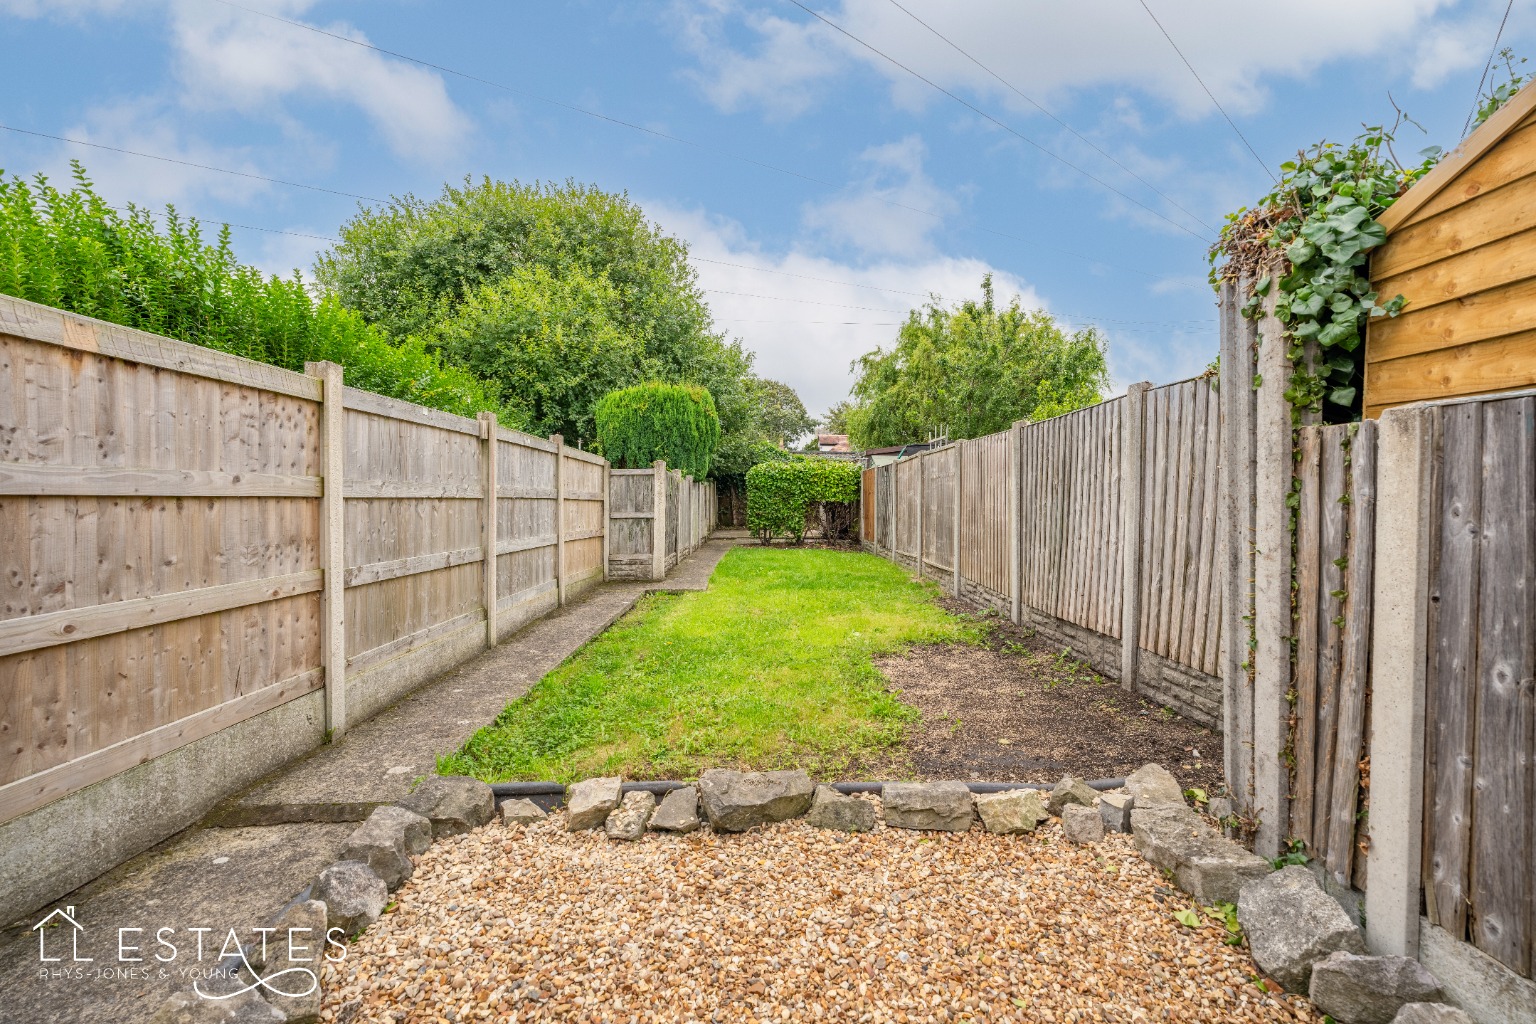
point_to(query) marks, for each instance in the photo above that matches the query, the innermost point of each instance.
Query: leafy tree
(973, 370)
(472, 262)
(640, 424)
(778, 414)
(835, 420)
(70, 249)
(551, 344)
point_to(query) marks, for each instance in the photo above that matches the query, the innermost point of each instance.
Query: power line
(1207, 89)
(1030, 100)
(982, 113)
(809, 277)
(1487, 68)
(680, 140)
(189, 163)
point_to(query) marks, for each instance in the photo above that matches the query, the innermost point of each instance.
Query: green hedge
(70, 249)
(676, 422)
(782, 495)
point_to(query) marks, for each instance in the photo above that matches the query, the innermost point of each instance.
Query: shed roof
(1504, 121)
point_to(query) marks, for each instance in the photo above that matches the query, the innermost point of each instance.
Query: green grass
(771, 667)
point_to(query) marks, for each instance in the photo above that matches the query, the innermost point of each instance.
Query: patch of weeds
(1295, 854)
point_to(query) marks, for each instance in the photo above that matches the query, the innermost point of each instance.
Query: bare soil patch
(1019, 709)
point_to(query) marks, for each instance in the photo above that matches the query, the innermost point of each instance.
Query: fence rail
(1031, 521)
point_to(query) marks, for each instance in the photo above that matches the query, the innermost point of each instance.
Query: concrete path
(243, 864)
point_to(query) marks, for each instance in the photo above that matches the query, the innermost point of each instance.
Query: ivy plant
(1307, 242)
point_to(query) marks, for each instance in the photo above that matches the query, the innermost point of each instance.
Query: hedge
(781, 496)
(676, 422)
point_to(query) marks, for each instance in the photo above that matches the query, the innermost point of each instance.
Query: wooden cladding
(1461, 249)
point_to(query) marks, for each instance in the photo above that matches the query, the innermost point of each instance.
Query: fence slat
(1502, 797)
(1308, 630)
(1451, 687)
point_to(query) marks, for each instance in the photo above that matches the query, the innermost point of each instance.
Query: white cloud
(790, 59)
(143, 125)
(882, 215)
(1046, 50)
(807, 317)
(230, 59)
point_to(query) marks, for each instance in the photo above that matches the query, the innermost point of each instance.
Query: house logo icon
(50, 923)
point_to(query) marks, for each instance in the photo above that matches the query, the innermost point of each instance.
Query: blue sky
(913, 191)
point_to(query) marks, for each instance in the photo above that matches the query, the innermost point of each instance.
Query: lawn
(771, 667)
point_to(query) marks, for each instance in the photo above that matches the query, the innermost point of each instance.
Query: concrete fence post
(488, 534)
(959, 507)
(659, 519)
(1274, 448)
(559, 517)
(1133, 415)
(1399, 667)
(922, 483)
(1016, 522)
(333, 594)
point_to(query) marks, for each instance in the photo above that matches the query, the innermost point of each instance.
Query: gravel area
(789, 923)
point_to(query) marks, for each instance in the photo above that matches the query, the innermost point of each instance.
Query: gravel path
(789, 923)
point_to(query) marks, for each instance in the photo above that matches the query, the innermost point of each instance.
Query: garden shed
(1461, 248)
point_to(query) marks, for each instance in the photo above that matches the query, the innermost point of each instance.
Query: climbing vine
(1306, 242)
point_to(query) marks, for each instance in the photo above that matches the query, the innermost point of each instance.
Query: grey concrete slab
(210, 878)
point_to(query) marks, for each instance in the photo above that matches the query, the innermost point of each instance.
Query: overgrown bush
(676, 422)
(781, 497)
(70, 249)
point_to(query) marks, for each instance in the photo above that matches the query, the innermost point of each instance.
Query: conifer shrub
(676, 422)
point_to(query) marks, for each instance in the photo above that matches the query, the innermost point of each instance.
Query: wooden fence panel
(525, 518)
(584, 501)
(413, 543)
(941, 467)
(867, 506)
(674, 483)
(1180, 595)
(1335, 544)
(1069, 516)
(987, 475)
(1480, 710)
(885, 505)
(160, 532)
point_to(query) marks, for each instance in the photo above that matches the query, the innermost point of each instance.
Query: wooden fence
(1335, 546)
(1032, 522)
(193, 540)
(1479, 863)
(644, 545)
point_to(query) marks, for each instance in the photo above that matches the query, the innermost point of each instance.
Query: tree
(835, 420)
(473, 261)
(72, 250)
(640, 424)
(778, 415)
(973, 370)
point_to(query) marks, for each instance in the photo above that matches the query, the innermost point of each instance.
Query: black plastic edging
(513, 790)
